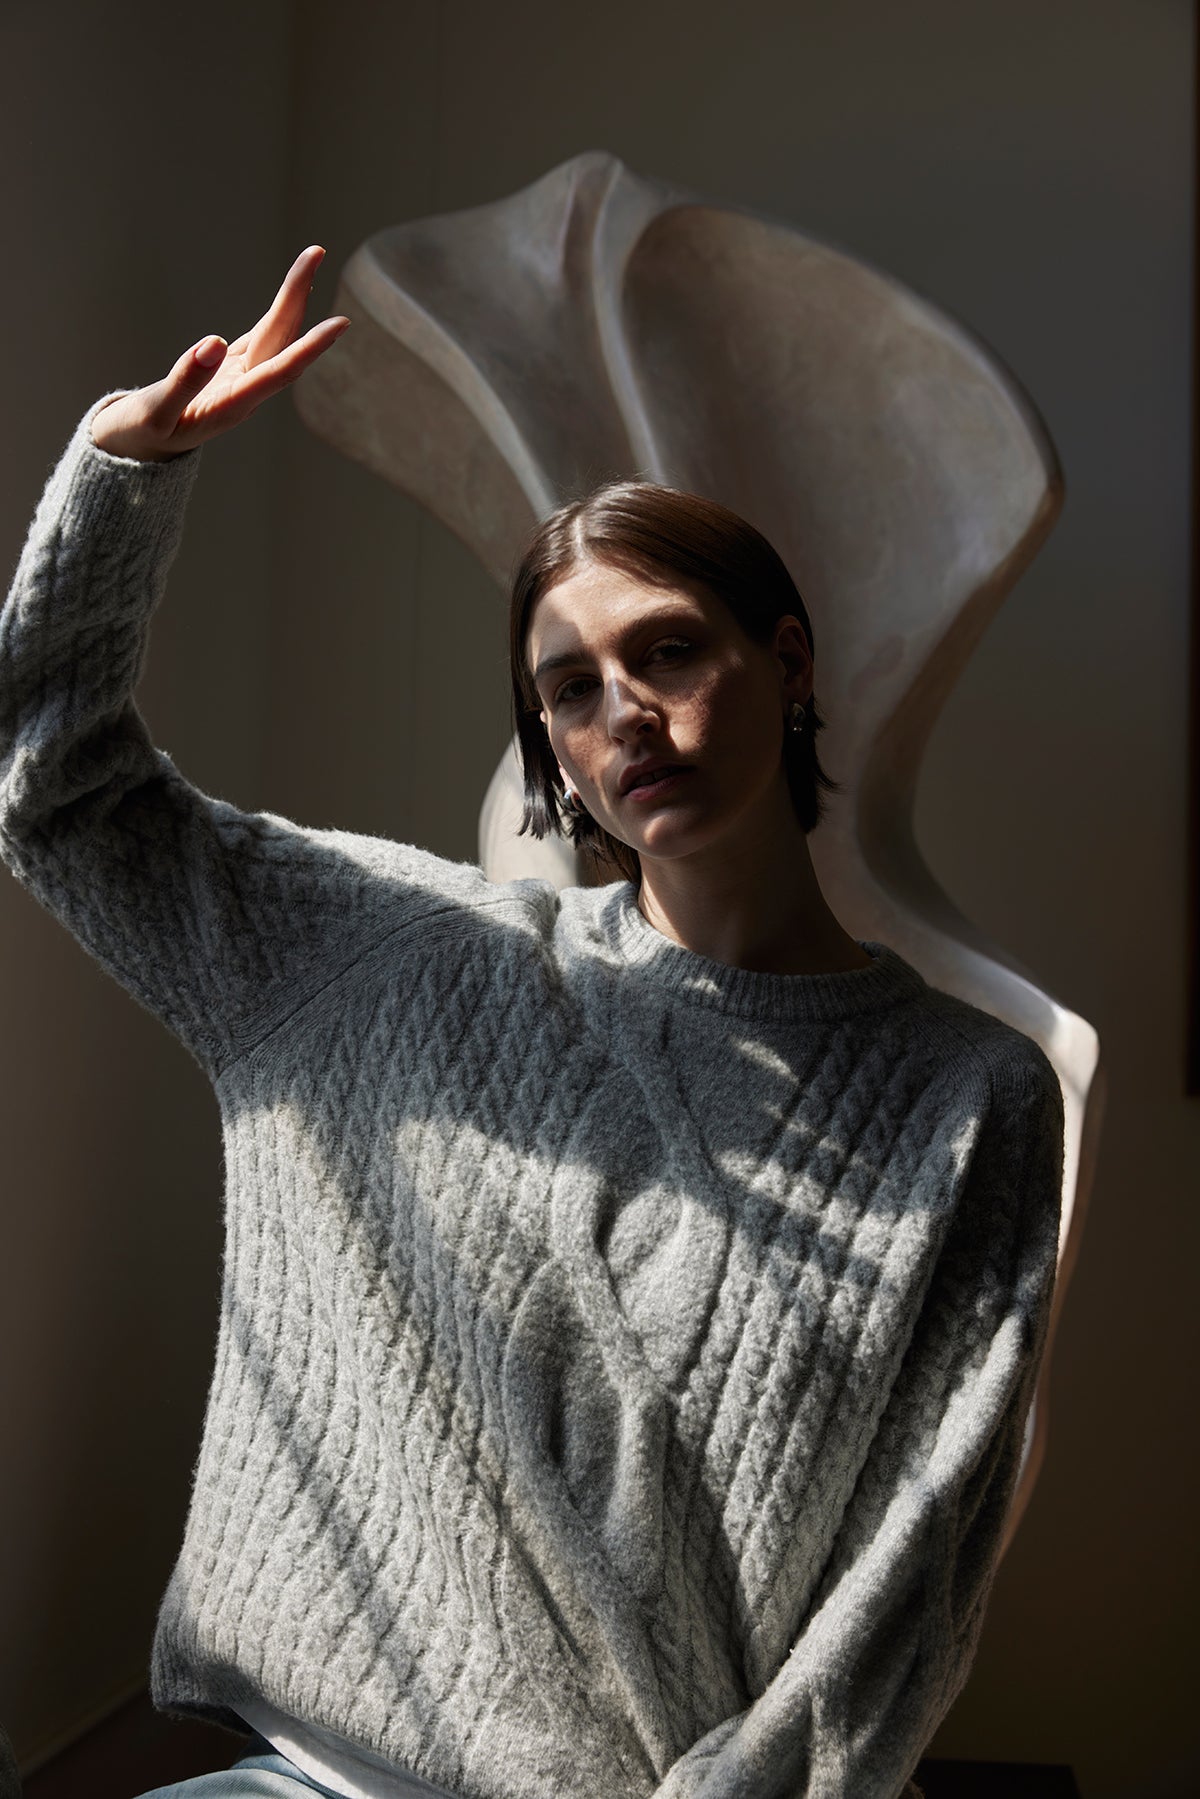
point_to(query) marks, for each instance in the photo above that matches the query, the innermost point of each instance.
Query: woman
(633, 1295)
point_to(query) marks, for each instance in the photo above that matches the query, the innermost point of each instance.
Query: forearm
(218, 920)
(211, 916)
(88, 806)
(73, 629)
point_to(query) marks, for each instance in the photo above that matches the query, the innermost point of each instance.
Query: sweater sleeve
(888, 1642)
(221, 922)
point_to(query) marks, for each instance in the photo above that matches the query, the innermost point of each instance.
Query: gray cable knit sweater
(623, 1357)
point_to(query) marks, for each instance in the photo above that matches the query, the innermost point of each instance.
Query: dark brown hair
(667, 538)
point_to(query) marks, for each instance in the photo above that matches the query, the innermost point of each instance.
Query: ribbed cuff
(124, 509)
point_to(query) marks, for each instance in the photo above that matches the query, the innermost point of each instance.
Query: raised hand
(215, 385)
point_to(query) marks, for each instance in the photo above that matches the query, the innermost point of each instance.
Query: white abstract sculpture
(595, 325)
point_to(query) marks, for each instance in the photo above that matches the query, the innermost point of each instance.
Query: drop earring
(796, 717)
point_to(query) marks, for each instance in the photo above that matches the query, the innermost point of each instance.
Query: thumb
(194, 369)
(208, 353)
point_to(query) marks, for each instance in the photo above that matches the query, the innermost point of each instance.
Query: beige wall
(1025, 166)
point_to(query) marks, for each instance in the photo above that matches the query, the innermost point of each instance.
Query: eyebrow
(549, 663)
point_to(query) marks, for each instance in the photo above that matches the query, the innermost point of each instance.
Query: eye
(567, 692)
(672, 647)
(667, 649)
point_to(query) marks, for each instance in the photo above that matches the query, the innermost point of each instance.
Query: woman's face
(662, 714)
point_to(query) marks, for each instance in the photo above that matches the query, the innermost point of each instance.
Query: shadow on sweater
(548, 1293)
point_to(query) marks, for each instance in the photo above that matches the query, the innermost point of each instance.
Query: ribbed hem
(742, 991)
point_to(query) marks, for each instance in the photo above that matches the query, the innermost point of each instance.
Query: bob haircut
(665, 538)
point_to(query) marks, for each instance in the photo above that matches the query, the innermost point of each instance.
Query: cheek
(742, 720)
(730, 705)
(570, 747)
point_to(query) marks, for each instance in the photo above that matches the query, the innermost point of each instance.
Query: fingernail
(210, 352)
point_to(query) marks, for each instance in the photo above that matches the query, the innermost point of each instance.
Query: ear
(790, 647)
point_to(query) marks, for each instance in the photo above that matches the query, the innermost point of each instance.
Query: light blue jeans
(262, 1773)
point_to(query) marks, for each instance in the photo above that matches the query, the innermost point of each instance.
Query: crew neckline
(702, 981)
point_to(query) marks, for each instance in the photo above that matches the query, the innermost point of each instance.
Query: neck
(755, 906)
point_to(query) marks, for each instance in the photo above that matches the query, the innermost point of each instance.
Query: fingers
(144, 422)
(175, 413)
(167, 400)
(279, 371)
(283, 319)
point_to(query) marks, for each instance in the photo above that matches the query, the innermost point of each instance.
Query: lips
(642, 774)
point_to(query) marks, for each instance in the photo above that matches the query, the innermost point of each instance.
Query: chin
(671, 846)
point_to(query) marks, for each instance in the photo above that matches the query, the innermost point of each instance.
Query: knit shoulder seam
(244, 1047)
(992, 1059)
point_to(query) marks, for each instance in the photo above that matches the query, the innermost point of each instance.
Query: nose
(628, 714)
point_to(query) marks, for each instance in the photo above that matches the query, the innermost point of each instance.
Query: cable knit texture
(623, 1358)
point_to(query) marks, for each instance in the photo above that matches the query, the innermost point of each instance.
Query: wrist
(123, 441)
